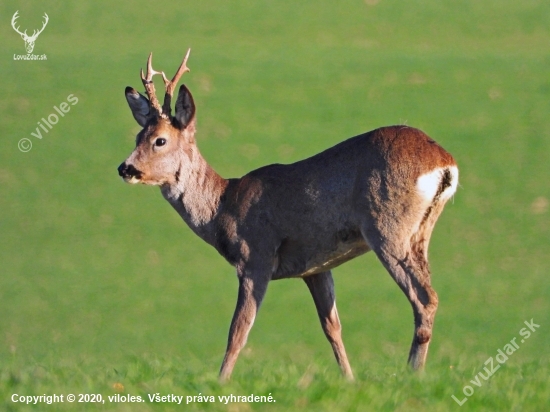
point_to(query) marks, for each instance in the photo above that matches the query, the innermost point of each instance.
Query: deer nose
(125, 170)
(122, 169)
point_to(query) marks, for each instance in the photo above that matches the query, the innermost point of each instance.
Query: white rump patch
(428, 184)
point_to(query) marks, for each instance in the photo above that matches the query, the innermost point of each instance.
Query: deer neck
(195, 193)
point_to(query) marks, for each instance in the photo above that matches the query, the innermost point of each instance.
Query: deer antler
(13, 21)
(150, 86)
(171, 85)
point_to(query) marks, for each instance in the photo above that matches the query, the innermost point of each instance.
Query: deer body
(381, 191)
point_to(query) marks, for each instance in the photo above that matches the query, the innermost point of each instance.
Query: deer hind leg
(251, 294)
(406, 259)
(413, 277)
(321, 287)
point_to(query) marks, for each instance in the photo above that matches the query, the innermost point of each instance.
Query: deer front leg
(321, 287)
(251, 294)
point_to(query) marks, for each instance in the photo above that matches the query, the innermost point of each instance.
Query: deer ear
(185, 107)
(139, 105)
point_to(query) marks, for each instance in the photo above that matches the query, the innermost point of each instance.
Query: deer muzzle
(129, 173)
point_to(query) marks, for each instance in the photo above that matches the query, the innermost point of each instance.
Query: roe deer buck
(381, 191)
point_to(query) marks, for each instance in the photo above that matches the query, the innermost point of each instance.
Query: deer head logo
(29, 40)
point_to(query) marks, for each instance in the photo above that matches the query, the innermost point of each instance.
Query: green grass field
(104, 290)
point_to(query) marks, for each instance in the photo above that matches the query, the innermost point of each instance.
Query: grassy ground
(103, 288)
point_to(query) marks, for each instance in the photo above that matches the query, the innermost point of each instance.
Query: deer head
(157, 157)
(29, 40)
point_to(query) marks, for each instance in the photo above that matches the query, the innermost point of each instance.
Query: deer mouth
(129, 173)
(132, 180)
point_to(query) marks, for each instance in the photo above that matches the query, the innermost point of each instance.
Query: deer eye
(160, 141)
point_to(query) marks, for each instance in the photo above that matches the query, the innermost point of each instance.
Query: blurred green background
(102, 283)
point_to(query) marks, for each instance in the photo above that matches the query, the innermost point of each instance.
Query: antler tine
(182, 69)
(171, 85)
(150, 86)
